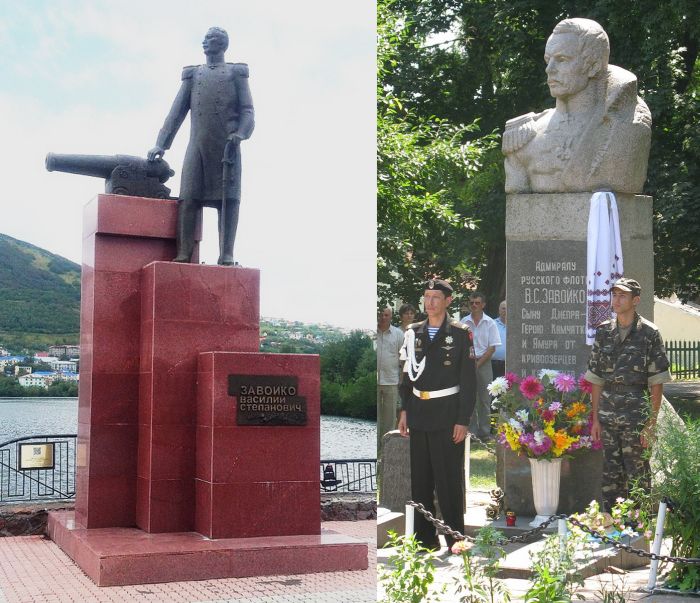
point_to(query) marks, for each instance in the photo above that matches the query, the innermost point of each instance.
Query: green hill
(39, 296)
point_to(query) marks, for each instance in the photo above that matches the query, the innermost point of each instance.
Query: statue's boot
(187, 212)
(228, 224)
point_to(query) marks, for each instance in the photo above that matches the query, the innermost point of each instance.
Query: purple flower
(541, 448)
(564, 382)
(555, 406)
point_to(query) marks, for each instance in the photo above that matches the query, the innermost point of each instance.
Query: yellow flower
(512, 436)
(561, 442)
(577, 408)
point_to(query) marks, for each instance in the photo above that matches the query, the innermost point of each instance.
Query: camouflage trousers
(622, 419)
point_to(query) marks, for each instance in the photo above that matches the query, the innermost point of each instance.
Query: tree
(348, 377)
(425, 221)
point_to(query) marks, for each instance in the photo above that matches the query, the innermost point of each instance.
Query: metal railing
(18, 484)
(21, 477)
(684, 357)
(349, 475)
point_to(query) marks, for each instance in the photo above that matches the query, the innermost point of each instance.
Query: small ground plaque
(267, 400)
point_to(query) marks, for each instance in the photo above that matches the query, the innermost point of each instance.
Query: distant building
(72, 351)
(10, 360)
(677, 321)
(22, 370)
(33, 380)
(46, 359)
(64, 365)
(66, 376)
(44, 378)
(4, 352)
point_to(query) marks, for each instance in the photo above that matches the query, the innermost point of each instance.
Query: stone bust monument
(598, 135)
(218, 99)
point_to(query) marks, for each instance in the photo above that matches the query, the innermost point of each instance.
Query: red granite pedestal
(159, 444)
(256, 480)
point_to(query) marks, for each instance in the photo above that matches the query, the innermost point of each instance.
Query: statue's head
(215, 41)
(577, 51)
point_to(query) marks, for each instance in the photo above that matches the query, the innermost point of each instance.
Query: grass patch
(482, 468)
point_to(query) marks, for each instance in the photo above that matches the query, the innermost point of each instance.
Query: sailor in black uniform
(438, 394)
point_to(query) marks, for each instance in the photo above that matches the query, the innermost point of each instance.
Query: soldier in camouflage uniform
(627, 361)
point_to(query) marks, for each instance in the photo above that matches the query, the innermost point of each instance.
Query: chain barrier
(446, 530)
(484, 444)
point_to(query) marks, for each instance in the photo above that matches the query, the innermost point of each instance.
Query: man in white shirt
(498, 360)
(389, 342)
(486, 338)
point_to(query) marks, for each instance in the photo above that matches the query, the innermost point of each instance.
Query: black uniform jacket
(449, 362)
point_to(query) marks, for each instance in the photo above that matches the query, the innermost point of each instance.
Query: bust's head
(577, 51)
(215, 41)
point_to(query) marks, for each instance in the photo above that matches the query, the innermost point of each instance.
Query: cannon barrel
(101, 166)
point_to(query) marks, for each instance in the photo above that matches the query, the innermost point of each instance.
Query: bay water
(341, 437)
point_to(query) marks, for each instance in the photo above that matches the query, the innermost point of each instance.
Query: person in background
(486, 339)
(498, 360)
(389, 342)
(437, 399)
(628, 362)
(407, 314)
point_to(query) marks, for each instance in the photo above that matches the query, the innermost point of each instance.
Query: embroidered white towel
(604, 261)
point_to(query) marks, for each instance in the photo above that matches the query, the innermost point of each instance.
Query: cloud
(99, 78)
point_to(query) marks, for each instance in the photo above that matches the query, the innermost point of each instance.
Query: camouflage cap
(440, 285)
(627, 284)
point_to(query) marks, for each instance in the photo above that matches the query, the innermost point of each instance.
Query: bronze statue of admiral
(218, 98)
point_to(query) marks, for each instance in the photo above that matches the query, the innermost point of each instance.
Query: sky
(98, 77)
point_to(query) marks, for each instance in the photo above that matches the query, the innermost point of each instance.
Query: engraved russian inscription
(267, 400)
(547, 306)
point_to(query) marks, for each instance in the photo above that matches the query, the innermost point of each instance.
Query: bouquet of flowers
(543, 417)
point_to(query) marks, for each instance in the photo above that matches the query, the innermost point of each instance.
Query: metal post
(410, 520)
(467, 456)
(562, 528)
(656, 547)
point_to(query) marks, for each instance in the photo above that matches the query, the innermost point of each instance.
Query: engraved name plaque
(268, 400)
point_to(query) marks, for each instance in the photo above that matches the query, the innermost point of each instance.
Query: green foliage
(39, 292)
(424, 225)
(555, 576)
(676, 464)
(348, 377)
(615, 591)
(411, 571)
(480, 564)
(468, 60)
(10, 388)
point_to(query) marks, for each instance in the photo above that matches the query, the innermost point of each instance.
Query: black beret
(439, 284)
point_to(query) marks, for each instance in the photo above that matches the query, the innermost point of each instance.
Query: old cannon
(123, 174)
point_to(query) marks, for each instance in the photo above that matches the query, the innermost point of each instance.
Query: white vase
(545, 488)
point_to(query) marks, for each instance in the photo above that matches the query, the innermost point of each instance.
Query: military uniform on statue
(438, 394)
